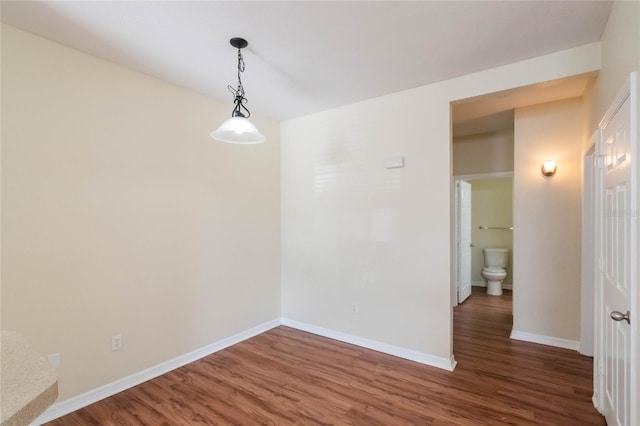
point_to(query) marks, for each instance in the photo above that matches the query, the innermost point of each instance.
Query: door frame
(589, 255)
(628, 89)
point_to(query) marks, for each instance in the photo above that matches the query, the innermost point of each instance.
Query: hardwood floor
(286, 376)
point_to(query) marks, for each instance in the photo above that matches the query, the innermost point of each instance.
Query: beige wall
(353, 231)
(546, 219)
(120, 215)
(483, 153)
(620, 56)
(491, 205)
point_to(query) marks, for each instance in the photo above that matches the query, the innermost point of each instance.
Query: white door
(463, 212)
(618, 260)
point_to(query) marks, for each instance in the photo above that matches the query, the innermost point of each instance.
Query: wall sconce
(549, 168)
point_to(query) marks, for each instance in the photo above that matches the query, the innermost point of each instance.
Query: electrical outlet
(116, 342)
(355, 308)
(54, 360)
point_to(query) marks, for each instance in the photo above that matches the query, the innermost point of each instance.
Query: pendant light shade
(238, 129)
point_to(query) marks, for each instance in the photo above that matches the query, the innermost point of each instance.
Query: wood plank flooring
(286, 376)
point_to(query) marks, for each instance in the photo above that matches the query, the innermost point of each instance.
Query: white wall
(120, 215)
(355, 232)
(546, 216)
(483, 153)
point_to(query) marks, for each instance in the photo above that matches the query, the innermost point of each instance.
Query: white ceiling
(305, 57)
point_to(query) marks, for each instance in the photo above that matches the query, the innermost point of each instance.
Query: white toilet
(495, 269)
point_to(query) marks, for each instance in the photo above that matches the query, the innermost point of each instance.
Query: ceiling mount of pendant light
(238, 129)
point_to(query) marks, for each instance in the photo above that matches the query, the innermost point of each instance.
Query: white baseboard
(596, 403)
(505, 286)
(545, 340)
(421, 357)
(80, 401)
(77, 402)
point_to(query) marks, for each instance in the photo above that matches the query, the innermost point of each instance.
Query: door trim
(588, 284)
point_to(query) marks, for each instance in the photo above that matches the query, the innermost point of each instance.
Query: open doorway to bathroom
(484, 234)
(492, 228)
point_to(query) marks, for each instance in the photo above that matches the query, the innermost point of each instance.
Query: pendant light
(238, 129)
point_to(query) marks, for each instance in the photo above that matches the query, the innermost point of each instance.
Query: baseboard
(77, 402)
(80, 401)
(421, 357)
(596, 405)
(545, 340)
(484, 284)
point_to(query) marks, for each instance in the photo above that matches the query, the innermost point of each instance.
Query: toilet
(495, 269)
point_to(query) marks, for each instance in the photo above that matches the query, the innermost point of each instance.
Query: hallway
(536, 382)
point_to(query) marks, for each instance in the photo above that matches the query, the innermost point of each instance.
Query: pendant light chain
(238, 93)
(240, 90)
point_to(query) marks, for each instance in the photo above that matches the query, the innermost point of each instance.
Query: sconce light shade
(549, 168)
(238, 130)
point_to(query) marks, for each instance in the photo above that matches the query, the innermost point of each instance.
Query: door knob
(619, 316)
(472, 245)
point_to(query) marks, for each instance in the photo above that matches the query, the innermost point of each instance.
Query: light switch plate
(394, 162)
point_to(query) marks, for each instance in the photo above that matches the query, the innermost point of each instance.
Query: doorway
(484, 219)
(482, 148)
